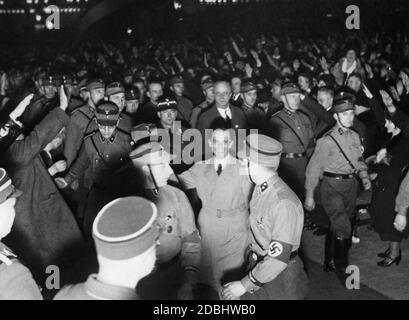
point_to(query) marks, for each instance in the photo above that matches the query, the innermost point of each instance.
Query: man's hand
(405, 80)
(254, 54)
(400, 222)
(63, 99)
(185, 292)
(21, 107)
(3, 84)
(324, 64)
(369, 71)
(366, 183)
(387, 100)
(233, 290)
(61, 183)
(59, 166)
(309, 204)
(360, 109)
(380, 155)
(249, 70)
(368, 93)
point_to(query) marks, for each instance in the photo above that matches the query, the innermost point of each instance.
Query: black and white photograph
(204, 155)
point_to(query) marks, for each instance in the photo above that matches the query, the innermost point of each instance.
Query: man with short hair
(222, 108)
(148, 110)
(235, 99)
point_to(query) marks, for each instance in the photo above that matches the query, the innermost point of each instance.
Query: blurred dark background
(23, 21)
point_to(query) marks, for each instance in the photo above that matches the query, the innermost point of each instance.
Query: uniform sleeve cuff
(249, 285)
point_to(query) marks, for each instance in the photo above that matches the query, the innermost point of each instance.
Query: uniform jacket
(276, 222)
(294, 130)
(16, 281)
(179, 234)
(102, 156)
(328, 157)
(207, 117)
(81, 122)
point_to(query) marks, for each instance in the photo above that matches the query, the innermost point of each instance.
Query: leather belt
(339, 176)
(225, 213)
(293, 155)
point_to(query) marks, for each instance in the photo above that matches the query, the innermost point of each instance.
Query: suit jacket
(209, 115)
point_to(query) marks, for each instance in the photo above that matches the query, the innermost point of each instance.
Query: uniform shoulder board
(328, 132)
(90, 134)
(276, 113)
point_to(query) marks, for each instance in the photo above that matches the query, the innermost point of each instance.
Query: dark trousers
(292, 171)
(338, 198)
(291, 284)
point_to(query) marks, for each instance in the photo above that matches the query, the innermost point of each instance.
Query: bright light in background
(129, 31)
(49, 25)
(38, 18)
(177, 5)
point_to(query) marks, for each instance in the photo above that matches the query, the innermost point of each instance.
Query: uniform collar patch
(264, 186)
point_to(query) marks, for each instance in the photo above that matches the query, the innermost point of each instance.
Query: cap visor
(109, 123)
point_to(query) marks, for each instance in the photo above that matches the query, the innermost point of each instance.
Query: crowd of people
(99, 177)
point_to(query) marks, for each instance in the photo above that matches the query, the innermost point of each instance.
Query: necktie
(219, 169)
(227, 115)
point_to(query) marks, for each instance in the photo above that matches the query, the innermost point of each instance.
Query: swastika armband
(279, 250)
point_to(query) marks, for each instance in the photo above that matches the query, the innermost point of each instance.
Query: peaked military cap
(107, 113)
(7, 189)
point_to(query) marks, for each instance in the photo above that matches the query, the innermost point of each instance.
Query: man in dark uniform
(81, 119)
(338, 160)
(294, 130)
(148, 110)
(255, 116)
(276, 223)
(72, 91)
(179, 250)
(125, 232)
(16, 281)
(170, 128)
(104, 151)
(208, 91)
(221, 109)
(132, 109)
(235, 98)
(41, 104)
(185, 106)
(115, 92)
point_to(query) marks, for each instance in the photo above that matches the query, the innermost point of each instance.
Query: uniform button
(254, 256)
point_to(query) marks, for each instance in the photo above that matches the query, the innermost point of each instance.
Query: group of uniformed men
(244, 243)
